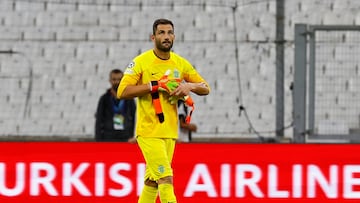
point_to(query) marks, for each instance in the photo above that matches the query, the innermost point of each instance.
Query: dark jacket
(104, 127)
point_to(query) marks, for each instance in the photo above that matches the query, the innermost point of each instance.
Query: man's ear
(152, 37)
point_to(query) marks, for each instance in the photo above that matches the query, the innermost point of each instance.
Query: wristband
(154, 86)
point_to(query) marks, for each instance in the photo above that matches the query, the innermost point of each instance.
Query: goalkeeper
(154, 77)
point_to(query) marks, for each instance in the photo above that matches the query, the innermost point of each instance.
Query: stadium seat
(39, 34)
(135, 34)
(199, 34)
(93, 8)
(60, 7)
(71, 34)
(18, 19)
(51, 19)
(57, 50)
(9, 127)
(47, 68)
(339, 18)
(71, 47)
(354, 84)
(91, 51)
(79, 68)
(340, 5)
(208, 20)
(29, 6)
(103, 67)
(28, 50)
(103, 34)
(117, 7)
(83, 18)
(330, 127)
(123, 51)
(15, 67)
(11, 33)
(6, 6)
(114, 19)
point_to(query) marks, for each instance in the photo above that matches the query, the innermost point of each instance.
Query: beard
(161, 47)
(115, 87)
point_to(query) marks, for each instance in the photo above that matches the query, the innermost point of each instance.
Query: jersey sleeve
(132, 75)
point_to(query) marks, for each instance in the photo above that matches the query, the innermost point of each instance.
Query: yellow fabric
(148, 195)
(145, 68)
(158, 153)
(166, 192)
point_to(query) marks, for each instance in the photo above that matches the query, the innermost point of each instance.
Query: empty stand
(56, 7)
(51, 19)
(103, 67)
(56, 50)
(339, 18)
(11, 33)
(19, 18)
(103, 34)
(29, 6)
(114, 19)
(6, 6)
(71, 48)
(47, 68)
(39, 34)
(27, 50)
(83, 18)
(71, 34)
(192, 34)
(15, 67)
(91, 51)
(125, 50)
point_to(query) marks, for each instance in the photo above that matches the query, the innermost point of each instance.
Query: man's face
(115, 80)
(164, 37)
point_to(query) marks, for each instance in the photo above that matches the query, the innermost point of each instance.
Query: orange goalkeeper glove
(164, 84)
(188, 102)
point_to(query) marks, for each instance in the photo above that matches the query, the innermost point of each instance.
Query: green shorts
(158, 154)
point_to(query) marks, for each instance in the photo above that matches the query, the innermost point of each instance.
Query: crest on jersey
(131, 64)
(176, 73)
(161, 169)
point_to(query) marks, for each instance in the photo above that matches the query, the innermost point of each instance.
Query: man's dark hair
(163, 22)
(116, 71)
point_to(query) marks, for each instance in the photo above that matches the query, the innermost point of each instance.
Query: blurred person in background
(154, 78)
(115, 118)
(186, 129)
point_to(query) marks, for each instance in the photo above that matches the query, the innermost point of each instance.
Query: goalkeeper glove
(164, 84)
(174, 99)
(188, 102)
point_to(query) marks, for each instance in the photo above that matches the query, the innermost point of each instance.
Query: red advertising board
(86, 172)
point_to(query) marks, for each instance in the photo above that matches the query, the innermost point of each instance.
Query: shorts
(158, 154)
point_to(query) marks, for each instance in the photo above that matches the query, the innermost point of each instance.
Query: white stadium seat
(71, 47)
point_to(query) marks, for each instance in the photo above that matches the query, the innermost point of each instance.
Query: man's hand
(132, 140)
(164, 84)
(182, 89)
(167, 85)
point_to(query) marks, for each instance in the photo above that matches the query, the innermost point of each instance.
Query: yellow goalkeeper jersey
(148, 67)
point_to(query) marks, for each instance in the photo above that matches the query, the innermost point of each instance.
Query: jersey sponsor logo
(129, 69)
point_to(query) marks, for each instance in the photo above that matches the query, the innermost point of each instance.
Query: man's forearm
(200, 88)
(132, 91)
